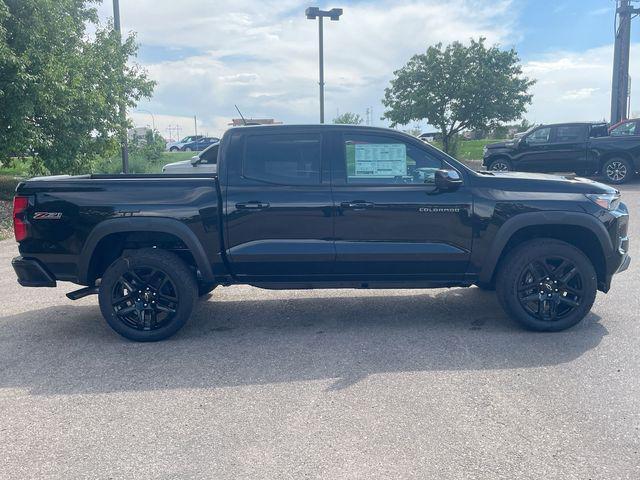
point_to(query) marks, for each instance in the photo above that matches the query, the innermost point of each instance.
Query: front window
(624, 130)
(378, 159)
(539, 136)
(210, 155)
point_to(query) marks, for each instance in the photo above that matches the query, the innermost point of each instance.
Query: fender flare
(523, 220)
(144, 224)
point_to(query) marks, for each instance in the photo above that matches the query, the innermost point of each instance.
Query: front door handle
(357, 205)
(253, 205)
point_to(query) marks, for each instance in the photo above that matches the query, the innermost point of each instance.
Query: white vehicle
(205, 162)
(177, 146)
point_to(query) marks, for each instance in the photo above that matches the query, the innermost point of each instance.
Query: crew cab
(582, 148)
(321, 206)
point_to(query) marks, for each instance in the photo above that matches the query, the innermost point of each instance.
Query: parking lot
(321, 384)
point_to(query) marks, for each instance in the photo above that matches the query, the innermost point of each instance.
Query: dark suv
(583, 148)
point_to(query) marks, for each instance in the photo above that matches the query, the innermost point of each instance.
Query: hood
(507, 144)
(180, 164)
(542, 182)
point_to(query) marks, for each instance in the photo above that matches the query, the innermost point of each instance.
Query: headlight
(608, 201)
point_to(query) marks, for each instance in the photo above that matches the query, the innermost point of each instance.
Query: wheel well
(580, 237)
(113, 245)
(605, 158)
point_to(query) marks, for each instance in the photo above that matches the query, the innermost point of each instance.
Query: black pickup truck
(583, 148)
(324, 206)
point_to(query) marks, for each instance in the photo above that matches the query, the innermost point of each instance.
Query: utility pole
(124, 141)
(620, 81)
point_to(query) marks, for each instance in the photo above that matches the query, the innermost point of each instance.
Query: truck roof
(311, 126)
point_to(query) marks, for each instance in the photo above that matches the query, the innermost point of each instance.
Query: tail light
(20, 225)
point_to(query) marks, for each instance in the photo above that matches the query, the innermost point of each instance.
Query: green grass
(141, 165)
(472, 149)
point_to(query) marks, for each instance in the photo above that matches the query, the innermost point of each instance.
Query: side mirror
(195, 160)
(447, 180)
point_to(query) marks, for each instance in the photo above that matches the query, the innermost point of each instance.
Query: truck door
(569, 147)
(535, 152)
(278, 204)
(391, 221)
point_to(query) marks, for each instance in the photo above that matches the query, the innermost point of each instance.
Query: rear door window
(571, 133)
(283, 159)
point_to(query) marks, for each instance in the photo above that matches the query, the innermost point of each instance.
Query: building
(238, 122)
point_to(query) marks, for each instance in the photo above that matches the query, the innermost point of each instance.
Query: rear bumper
(31, 273)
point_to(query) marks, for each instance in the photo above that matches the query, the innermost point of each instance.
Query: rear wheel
(147, 295)
(187, 149)
(500, 165)
(617, 170)
(546, 285)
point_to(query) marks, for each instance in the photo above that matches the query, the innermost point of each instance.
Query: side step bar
(83, 292)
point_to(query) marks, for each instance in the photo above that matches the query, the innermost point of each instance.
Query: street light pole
(121, 105)
(321, 73)
(334, 14)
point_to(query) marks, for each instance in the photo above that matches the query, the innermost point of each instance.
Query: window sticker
(377, 160)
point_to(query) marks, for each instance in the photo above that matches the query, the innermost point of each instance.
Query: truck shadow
(70, 349)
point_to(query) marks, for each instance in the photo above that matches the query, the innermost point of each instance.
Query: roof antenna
(242, 117)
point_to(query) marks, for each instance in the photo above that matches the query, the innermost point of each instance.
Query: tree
(458, 87)
(348, 118)
(60, 86)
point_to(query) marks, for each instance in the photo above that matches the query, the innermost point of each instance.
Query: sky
(208, 55)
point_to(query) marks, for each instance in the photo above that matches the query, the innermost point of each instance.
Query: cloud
(263, 56)
(577, 86)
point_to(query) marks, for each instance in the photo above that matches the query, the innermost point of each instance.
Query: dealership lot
(321, 384)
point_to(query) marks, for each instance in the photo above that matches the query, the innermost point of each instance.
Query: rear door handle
(357, 205)
(252, 205)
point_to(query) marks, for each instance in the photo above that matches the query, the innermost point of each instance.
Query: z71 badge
(47, 215)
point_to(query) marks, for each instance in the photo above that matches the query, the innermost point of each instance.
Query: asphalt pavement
(331, 384)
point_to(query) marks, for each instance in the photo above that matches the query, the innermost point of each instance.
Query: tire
(187, 149)
(617, 170)
(166, 294)
(500, 165)
(558, 274)
(204, 288)
(174, 149)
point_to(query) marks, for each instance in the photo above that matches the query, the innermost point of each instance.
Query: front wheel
(147, 295)
(174, 149)
(546, 285)
(617, 170)
(500, 165)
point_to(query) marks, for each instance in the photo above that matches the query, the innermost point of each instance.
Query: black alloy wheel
(147, 295)
(546, 284)
(144, 298)
(617, 170)
(550, 288)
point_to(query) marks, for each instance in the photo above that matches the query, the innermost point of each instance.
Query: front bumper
(625, 264)
(31, 273)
